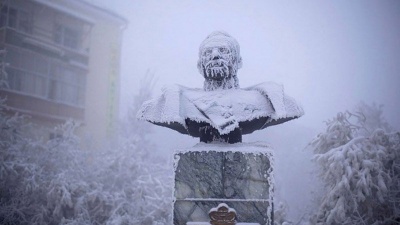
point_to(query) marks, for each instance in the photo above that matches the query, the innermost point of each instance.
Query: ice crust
(252, 147)
(222, 109)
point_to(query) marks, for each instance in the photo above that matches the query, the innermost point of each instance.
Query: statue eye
(208, 51)
(223, 50)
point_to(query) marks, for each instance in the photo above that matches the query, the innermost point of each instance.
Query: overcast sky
(329, 55)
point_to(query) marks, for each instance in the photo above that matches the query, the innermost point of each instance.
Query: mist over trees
(58, 182)
(63, 181)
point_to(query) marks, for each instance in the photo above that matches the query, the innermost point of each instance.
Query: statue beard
(219, 74)
(217, 69)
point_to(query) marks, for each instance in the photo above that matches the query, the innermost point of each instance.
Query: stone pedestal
(240, 175)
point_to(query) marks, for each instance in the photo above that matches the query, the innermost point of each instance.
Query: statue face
(217, 61)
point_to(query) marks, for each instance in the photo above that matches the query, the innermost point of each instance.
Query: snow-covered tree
(57, 182)
(359, 160)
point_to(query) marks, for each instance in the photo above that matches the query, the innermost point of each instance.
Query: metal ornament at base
(222, 215)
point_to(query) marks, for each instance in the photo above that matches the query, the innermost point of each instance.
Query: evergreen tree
(359, 160)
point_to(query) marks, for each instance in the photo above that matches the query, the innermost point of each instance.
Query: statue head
(219, 60)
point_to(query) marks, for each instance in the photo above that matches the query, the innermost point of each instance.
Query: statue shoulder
(267, 87)
(284, 105)
(176, 88)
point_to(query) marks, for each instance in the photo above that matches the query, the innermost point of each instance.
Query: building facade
(62, 60)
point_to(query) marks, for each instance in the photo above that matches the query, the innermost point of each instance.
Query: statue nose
(215, 54)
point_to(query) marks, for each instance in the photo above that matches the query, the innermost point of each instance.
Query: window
(39, 76)
(67, 36)
(3, 16)
(67, 85)
(16, 18)
(24, 21)
(25, 72)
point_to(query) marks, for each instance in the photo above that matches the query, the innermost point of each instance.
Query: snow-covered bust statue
(221, 111)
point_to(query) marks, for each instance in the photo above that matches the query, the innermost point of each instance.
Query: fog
(328, 55)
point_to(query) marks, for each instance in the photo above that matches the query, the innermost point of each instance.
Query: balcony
(47, 53)
(45, 30)
(43, 86)
(21, 39)
(41, 108)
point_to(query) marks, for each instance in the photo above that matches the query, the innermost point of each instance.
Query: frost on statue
(222, 111)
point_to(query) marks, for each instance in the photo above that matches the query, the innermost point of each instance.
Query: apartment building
(62, 61)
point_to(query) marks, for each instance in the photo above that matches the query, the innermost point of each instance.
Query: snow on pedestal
(240, 175)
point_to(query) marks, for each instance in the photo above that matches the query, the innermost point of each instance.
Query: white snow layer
(252, 147)
(221, 107)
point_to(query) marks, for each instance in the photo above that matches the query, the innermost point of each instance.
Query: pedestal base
(239, 175)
